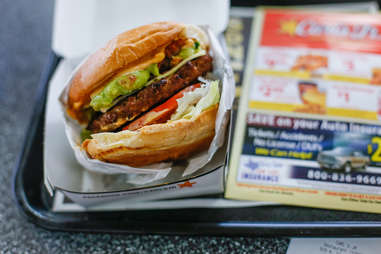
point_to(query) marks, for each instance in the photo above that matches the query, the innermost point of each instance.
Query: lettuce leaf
(193, 103)
(189, 100)
(210, 99)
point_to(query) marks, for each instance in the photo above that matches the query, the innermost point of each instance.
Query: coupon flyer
(308, 130)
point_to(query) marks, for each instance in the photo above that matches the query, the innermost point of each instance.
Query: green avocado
(187, 52)
(153, 69)
(120, 86)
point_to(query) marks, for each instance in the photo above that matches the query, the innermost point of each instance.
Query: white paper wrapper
(222, 71)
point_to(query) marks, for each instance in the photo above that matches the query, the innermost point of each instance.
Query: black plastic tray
(34, 202)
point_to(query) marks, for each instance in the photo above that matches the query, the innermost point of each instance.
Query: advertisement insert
(308, 130)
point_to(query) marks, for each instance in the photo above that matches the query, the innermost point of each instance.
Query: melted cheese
(141, 66)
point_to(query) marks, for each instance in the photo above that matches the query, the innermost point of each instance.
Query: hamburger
(142, 99)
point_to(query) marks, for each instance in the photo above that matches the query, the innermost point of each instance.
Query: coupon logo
(306, 27)
(297, 29)
(259, 171)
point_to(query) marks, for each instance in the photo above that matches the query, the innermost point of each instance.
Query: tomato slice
(161, 113)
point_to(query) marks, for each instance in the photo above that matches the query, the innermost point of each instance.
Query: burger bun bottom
(169, 141)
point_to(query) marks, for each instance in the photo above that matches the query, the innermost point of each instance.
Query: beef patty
(157, 92)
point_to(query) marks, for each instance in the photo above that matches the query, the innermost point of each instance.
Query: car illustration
(343, 158)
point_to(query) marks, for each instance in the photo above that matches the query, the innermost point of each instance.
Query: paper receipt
(335, 246)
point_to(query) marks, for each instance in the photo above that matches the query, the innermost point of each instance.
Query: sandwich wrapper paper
(147, 174)
(81, 28)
